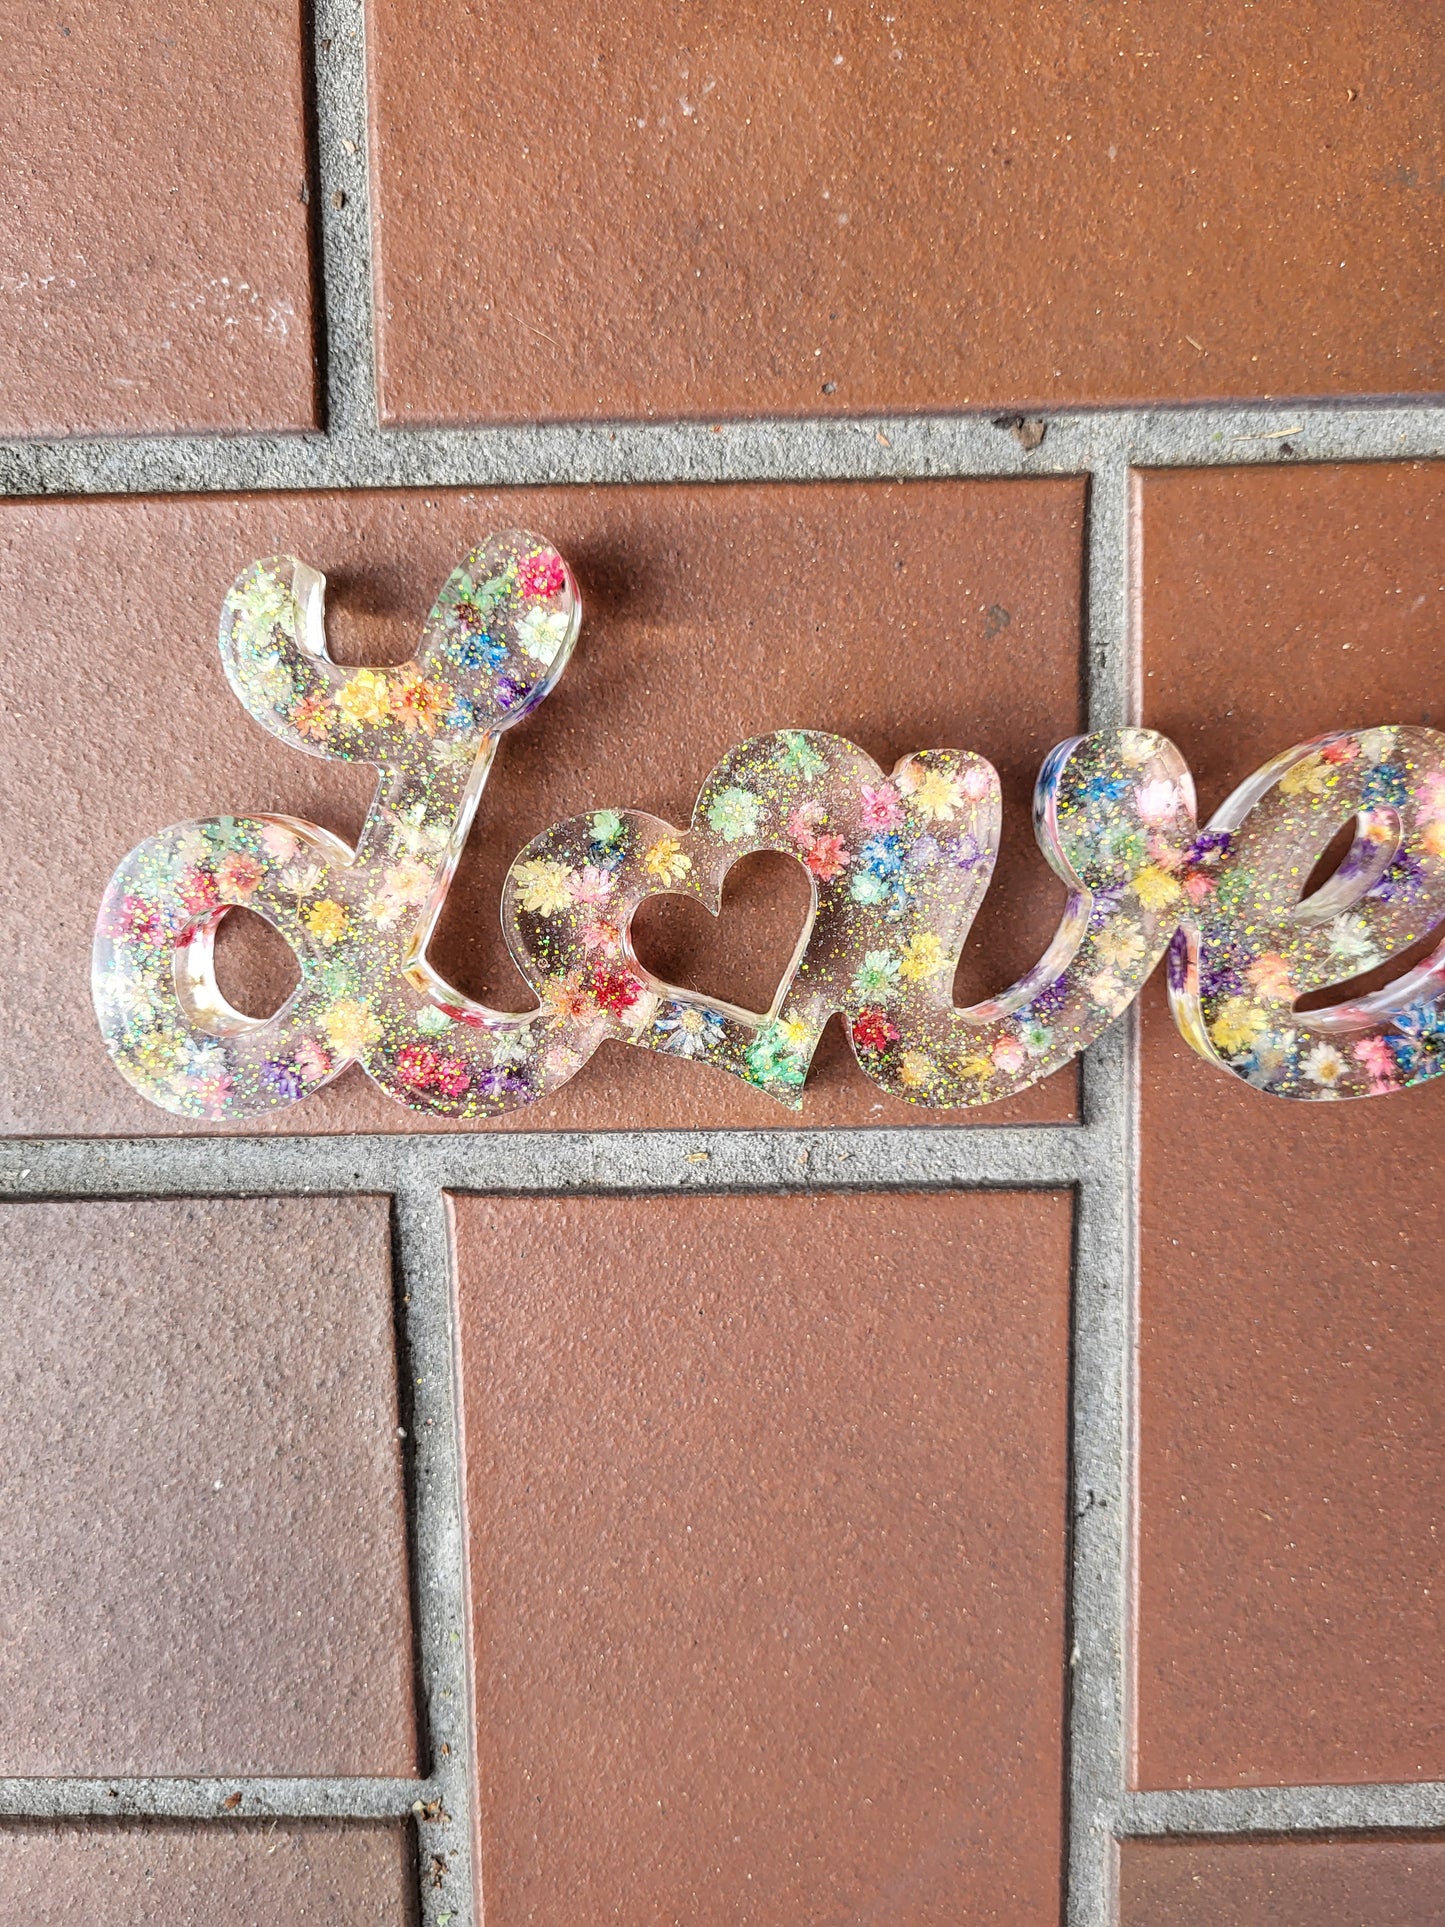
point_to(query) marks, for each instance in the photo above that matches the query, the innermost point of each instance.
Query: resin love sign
(899, 862)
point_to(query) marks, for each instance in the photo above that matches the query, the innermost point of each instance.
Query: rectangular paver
(732, 210)
(766, 1513)
(155, 265)
(205, 1562)
(905, 617)
(282, 1874)
(1288, 1883)
(1291, 1340)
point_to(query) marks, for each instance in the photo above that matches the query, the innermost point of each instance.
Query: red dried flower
(451, 1077)
(615, 990)
(418, 1065)
(142, 922)
(199, 893)
(541, 575)
(826, 857)
(872, 1030)
(312, 716)
(239, 873)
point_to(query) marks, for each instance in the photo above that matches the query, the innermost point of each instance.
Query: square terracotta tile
(1289, 1883)
(116, 1874)
(903, 616)
(155, 269)
(205, 1567)
(1291, 1466)
(729, 209)
(766, 1503)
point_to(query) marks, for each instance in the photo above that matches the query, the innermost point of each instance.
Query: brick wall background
(640, 1509)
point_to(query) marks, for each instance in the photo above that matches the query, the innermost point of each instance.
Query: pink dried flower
(880, 809)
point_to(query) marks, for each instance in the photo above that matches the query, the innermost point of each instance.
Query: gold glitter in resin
(1252, 944)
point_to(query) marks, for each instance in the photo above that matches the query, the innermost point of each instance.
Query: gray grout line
(445, 1889)
(519, 1161)
(153, 1797)
(1198, 1812)
(1101, 1324)
(1251, 1810)
(358, 455)
(424, 1269)
(342, 142)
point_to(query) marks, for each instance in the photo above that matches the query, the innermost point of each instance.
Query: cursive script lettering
(898, 861)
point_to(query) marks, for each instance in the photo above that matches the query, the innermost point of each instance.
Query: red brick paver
(713, 614)
(1291, 1473)
(205, 1562)
(1287, 1883)
(154, 259)
(731, 210)
(283, 1874)
(766, 1512)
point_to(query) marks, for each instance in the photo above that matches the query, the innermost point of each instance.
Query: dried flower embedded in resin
(898, 864)
(1250, 947)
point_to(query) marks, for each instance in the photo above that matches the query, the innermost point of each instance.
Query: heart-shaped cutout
(571, 897)
(741, 956)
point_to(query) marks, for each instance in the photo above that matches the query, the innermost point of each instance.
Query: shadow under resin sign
(899, 862)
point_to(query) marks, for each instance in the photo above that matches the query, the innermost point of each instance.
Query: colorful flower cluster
(1252, 948)
(899, 865)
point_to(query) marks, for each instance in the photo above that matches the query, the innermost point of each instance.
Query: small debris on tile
(1027, 430)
